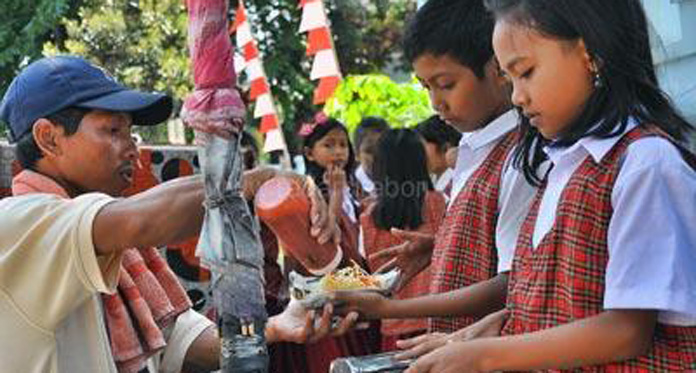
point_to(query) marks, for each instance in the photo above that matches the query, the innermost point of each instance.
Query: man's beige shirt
(50, 279)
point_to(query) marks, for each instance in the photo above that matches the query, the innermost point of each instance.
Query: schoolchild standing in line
(603, 277)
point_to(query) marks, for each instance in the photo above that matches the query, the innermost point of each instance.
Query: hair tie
(320, 119)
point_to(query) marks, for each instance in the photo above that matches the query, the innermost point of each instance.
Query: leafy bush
(358, 96)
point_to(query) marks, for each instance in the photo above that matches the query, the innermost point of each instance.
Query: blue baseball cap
(52, 84)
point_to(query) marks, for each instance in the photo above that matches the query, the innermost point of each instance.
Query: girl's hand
(488, 326)
(324, 225)
(369, 304)
(411, 257)
(453, 357)
(421, 345)
(335, 179)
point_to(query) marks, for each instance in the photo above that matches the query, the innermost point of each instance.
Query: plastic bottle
(283, 205)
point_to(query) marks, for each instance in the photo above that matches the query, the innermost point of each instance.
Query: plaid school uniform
(376, 240)
(562, 280)
(465, 251)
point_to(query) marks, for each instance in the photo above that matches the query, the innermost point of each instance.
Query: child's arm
(610, 336)
(489, 326)
(476, 300)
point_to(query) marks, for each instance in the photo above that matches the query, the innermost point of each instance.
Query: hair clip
(320, 118)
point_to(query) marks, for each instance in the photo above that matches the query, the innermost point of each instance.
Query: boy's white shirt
(516, 194)
(440, 183)
(652, 233)
(365, 182)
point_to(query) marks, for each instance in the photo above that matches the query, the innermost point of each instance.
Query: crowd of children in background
(543, 219)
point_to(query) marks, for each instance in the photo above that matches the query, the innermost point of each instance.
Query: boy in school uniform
(449, 46)
(367, 135)
(441, 142)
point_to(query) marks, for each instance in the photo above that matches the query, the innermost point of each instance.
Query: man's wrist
(270, 333)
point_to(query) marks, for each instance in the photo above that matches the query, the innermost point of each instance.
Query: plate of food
(314, 292)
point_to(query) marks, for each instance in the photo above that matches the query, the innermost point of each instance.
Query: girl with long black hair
(404, 199)
(330, 161)
(603, 277)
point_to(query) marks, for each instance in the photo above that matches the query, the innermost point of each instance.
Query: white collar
(594, 146)
(492, 132)
(444, 179)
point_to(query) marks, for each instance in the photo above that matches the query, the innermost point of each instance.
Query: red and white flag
(325, 66)
(260, 91)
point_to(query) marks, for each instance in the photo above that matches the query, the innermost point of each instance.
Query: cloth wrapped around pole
(230, 246)
(229, 243)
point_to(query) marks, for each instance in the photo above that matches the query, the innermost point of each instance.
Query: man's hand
(299, 325)
(412, 257)
(323, 220)
(488, 326)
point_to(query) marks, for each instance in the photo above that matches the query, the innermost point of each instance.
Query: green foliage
(142, 43)
(24, 25)
(367, 34)
(402, 105)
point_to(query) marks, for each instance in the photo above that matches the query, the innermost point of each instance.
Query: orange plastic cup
(283, 205)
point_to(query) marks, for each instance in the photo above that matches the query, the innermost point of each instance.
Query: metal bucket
(380, 363)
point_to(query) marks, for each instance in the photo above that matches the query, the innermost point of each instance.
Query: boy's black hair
(315, 171)
(401, 180)
(615, 34)
(28, 152)
(435, 130)
(369, 125)
(461, 29)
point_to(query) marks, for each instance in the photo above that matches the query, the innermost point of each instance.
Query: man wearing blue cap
(71, 123)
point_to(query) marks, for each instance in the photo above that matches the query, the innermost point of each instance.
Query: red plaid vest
(465, 250)
(562, 280)
(376, 240)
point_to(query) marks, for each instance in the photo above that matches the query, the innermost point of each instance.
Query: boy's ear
(47, 137)
(308, 153)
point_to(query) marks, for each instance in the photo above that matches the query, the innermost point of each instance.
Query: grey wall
(673, 26)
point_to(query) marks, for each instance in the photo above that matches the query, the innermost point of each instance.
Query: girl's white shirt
(652, 232)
